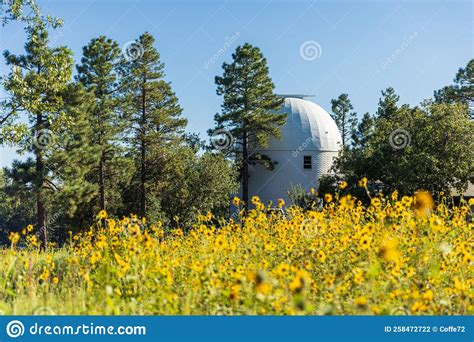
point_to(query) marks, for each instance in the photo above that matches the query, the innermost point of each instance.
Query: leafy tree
(352, 163)
(249, 109)
(155, 116)
(428, 147)
(35, 84)
(193, 183)
(462, 90)
(345, 118)
(99, 73)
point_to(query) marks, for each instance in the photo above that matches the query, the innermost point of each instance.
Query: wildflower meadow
(395, 256)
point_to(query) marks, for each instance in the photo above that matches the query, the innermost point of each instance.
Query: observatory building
(310, 141)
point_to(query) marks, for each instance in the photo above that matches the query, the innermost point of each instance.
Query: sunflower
(363, 182)
(328, 198)
(102, 214)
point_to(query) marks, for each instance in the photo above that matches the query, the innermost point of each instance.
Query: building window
(307, 162)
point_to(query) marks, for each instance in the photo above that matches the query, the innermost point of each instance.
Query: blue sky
(360, 47)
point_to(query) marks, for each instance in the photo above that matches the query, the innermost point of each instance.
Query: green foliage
(462, 91)
(303, 199)
(73, 160)
(363, 131)
(429, 147)
(193, 184)
(34, 82)
(25, 11)
(17, 206)
(388, 103)
(345, 118)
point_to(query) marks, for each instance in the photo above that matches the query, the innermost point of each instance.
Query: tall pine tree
(345, 118)
(155, 117)
(249, 110)
(99, 73)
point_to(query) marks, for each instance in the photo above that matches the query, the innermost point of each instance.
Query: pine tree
(73, 159)
(98, 72)
(363, 131)
(249, 110)
(34, 84)
(345, 118)
(387, 104)
(155, 115)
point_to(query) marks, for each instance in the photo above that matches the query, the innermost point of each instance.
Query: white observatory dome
(310, 141)
(307, 124)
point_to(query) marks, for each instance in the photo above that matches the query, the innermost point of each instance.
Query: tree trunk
(102, 182)
(102, 144)
(143, 169)
(343, 129)
(40, 207)
(245, 171)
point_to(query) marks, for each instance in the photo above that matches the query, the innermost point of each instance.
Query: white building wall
(270, 185)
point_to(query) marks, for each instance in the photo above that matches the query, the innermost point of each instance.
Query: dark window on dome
(307, 162)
